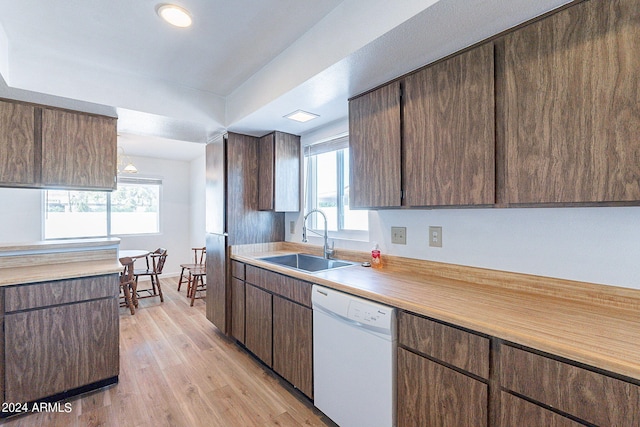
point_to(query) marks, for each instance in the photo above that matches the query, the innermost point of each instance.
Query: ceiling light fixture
(174, 15)
(124, 160)
(301, 116)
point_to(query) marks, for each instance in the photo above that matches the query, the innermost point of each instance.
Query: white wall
(597, 244)
(21, 211)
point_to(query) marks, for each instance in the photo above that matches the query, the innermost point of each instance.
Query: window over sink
(134, 208)
(327, 189)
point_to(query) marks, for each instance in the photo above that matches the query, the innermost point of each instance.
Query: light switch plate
(292, 227)
(435, 237)
(399, 235)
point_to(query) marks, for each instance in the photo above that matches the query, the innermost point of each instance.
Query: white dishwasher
(354, 353)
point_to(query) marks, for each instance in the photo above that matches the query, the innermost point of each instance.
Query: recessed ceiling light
(301, 116)
(174, 15)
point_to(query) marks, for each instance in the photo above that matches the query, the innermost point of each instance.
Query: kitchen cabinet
(279, 172)
(78, 150)
(43, 147)
(374, 148)
(259, 323)
(449, 132)
(293, 343)
(60, 336)
(237, 301)
(442, 374)
(2, 399)
(17, 144)
(515, 411)
(572, 390)
(569, 114)
(279, 324)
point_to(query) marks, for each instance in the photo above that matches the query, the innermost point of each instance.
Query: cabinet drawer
(450, 345)
(588, 395)
(288, 287)
(430, 394)
(519, 412)
(237, 269)
(25, 297)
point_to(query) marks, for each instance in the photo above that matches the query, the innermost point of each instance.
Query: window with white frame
(327, 189)
(134, 208)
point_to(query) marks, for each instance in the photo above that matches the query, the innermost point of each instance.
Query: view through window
(134, 208)
(327, 187)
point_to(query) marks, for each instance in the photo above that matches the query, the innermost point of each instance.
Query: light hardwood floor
(177, 369)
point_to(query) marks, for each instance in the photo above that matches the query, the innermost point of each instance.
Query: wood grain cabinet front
(18, 151)
(78, 150)
(443, 374)
(448, 132)
(293, 343)
(279, 172)
(569, 106)
(571, 390)
(374, 148)
(259, 323)
(59, 336)
(278, 323)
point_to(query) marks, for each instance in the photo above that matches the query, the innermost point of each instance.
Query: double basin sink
(308, 263)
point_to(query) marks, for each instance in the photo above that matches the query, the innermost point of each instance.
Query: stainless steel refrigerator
(232, 216)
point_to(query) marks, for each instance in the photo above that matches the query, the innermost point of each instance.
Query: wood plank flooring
(177, 369)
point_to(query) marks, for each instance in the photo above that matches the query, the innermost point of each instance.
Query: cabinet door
(49, 350)
(237, 309)
(571, 110)
(374, 148)
(430, 394)
(217, 293)
(258, 323)
(266, 163)
(17, 144)
(448, 132)
(78, 150)
(293, 343)
(287, 173)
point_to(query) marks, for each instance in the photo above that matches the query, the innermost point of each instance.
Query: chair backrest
(127, 274)
(199, 255)
(159, 256)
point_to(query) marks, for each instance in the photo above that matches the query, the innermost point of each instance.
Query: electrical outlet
(435, 237)
(292, 227)
(399, 235)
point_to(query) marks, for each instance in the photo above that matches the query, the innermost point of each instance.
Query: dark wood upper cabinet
(279, 171)
(374, 144)
(78, 150)
(17, 144)
(448, 132)
(570, 106)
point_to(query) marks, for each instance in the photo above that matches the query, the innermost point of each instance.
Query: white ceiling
(242, 66)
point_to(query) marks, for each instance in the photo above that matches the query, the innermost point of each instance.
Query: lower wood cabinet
(576, 391)
(442, 374)
(293, 343)
(515, 411)
(258, 323)
(278, 323)
(59, 336)
(430, 394)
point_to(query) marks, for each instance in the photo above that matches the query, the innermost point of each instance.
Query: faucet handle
(329, 251)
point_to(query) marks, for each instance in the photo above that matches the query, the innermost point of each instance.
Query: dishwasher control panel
(367, 313)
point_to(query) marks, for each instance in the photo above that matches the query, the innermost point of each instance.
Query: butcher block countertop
(593, 324)
(57, 260)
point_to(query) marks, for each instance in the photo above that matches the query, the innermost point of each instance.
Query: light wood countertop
(67, 270)
(592, 324)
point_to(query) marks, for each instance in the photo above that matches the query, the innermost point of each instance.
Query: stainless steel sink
(305, 262)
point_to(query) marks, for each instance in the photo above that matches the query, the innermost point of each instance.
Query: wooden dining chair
(155, 263)
(199, 255)
(128, 285)
(198, 283)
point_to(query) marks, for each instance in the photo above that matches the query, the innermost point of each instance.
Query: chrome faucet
(328, 252)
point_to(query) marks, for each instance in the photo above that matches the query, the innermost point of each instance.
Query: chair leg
(194, 288)
(134, 293)
(127, 298)
(189, 284)
(153, 284)
(159, 288)
(180, 281)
